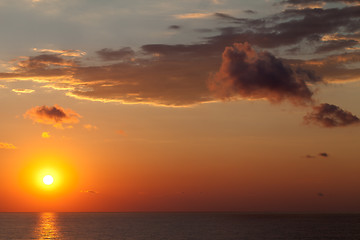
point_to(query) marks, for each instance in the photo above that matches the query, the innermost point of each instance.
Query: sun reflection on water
(46, 226)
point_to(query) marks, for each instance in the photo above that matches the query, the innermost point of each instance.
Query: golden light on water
(48, 180)
(46, 227)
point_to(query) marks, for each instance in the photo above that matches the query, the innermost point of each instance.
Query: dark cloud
(300, 2)
(55, 115)
(328, 115)
(336, 45)
(323, 154)
(290, 27)
(250, 11)
(110, 55)
(177, 75)
(320, 194)
(249, 74)
(175, 27)
(333, 68)
(44, 61)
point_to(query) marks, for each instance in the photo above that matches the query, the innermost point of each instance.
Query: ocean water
(178, 226)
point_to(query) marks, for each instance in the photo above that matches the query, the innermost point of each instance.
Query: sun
(48, 179)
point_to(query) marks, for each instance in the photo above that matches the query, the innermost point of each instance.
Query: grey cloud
(249, 74)
(329, 116)
(323, 154)
(110, 55)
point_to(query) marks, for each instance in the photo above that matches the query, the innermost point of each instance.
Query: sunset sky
(193, 105)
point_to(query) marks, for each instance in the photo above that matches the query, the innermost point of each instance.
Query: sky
(201, 105)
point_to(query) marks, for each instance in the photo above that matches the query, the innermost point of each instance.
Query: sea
(179, 226)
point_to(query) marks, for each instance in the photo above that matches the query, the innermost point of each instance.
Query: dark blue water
(178, 226)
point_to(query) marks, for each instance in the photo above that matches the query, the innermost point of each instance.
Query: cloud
(6, 146)
(193, 15)
(259, 75)
(45, 135)
(316, 3)
(55, 115)
(336, 45)
(90, 127)
(175, 27)
(44, 60)
(110, 55)
(89, 191)
(249, 11)
(328, 115)
(22, 90)
(176, 75)
(2, 86)
(323, 154)
(309, 156)
(333, 68)
(68, 53)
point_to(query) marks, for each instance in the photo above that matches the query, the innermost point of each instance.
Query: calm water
(177, 226)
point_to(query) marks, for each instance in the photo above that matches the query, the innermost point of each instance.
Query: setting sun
(48, 179)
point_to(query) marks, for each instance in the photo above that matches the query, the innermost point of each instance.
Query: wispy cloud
(89, 191)
(68, 53)
(193, 15)
(90, 127)
(22, 90)
(6, 146)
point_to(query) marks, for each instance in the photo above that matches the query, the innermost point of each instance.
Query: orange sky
(188, 118)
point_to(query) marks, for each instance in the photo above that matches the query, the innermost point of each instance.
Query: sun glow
(48, 179)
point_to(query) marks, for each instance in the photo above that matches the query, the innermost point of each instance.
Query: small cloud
(320, 194)
(89, 191)
(175, 27)
(45, 135)
(249, 11)
(309, 156)
(55, 115)
(121, 132)
(22, 90)
(328, 115)
(193, 15)
(6, 146)
(90, 127)
(67, 53)
(324, 154)
(2, 86)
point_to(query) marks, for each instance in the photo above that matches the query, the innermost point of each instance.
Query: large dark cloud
(249, 74)
(177, 75)
(290, 27)
(328, 115)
